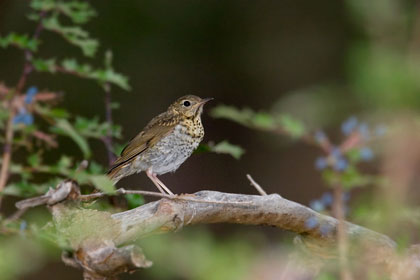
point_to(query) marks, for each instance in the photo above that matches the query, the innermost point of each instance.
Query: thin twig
(15, 216)
(157, 194)
(7, 148)
(256, 185)
(108, 115)
(342, 238)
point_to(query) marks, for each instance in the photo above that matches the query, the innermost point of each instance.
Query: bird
(164, 144)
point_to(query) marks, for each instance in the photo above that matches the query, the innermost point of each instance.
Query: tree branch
(7, 148)
(103, 233)
(271, 210)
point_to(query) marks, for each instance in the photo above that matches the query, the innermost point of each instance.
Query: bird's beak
(205, 100)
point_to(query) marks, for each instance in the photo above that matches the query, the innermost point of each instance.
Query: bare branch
(256, 185)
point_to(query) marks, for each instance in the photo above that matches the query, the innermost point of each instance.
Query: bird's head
(189, 106)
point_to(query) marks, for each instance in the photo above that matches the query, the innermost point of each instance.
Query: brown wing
(157, 128)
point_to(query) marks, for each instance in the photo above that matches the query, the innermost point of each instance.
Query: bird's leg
(158, 183)
(163, 185)
(151, 177)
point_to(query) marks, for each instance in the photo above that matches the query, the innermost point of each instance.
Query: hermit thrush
(164, 144)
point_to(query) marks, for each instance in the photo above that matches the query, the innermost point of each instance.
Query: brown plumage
(164, 144)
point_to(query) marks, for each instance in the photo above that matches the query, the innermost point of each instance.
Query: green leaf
(78, 11)
(225, 147)
(112, 77)
(263, 121)
(44, 65)
(43, 5)
(134, 200)
(88, 46)
(92, 128)
(100, 75)
(348, 179)
(243, 116)
(96, 168)
(24, 188)
(21, 41)
(202, 148)
(59, 113)
(103, 183)
(293, 127)
(34, 160)
(352, 178)
(64, 127)
(73, 34)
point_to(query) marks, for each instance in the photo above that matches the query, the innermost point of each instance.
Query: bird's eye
(187, 103)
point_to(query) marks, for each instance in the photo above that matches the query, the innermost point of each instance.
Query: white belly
(169, 153)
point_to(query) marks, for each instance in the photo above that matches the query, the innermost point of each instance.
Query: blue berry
(320, 136)
(364, 131)
(28, 119)
(321, 163)
(327, 199)
(317, 205)
(23, 117)
(349, 125)
(366, 154)
(30, 94)
(341, 164)
(311, 223)
(336, 152)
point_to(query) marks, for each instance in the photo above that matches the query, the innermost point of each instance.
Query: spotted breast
(172, 150)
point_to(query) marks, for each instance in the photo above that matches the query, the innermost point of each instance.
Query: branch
(104, 232)
(7, 148)
(272, 210)
(108, 114)
(96, 237)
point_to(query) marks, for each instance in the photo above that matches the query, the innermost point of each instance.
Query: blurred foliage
(60, 122)
(261, 120)
(40, 125)
(19, 256)
(223, 147)
(202, 254)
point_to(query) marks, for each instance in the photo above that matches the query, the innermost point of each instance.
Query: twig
(28, 67)
(47, 138)
(157, 194)
(256, 185)
(15, 216)
(342, 238)
(108, 115)
(91, 196)
(7, 148)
